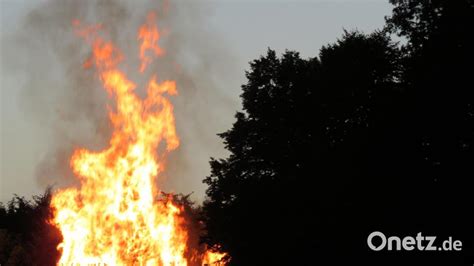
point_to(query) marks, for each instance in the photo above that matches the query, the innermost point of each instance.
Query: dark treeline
(371, 135)
(26, 236)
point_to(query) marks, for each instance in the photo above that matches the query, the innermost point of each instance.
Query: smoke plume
(68, 99)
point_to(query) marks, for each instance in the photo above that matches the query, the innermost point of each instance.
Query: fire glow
(113, 218)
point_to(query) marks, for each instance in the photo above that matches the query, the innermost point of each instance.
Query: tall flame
(114, 217)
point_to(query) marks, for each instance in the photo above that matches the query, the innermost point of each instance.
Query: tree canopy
(369, 135)
(26, 236)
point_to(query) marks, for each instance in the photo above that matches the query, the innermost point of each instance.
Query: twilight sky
(214, 47)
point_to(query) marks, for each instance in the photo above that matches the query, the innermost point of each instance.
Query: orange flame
(212, 258)
(114, 217)
(149, 35)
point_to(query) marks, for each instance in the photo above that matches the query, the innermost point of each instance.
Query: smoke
(68, 99)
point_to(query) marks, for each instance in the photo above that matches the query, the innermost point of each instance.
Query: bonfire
(113, 217)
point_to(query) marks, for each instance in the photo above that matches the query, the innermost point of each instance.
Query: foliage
(367, 134)
(26, 235)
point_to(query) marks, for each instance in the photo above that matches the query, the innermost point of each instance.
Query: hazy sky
(244, 28)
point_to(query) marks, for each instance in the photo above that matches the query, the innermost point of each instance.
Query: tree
(271, 201)
(439, 119)
(370, 135)
(26, 235)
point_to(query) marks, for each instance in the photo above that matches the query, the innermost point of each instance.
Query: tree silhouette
(298, 148)
(26, 235)
(370, 135)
